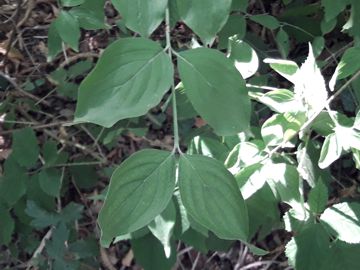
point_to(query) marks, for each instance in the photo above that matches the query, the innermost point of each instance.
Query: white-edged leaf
(348, 65)
(343, 220)
(330, 151)
(245, 58)
(286, 68)
(281, 101)
(163, 225)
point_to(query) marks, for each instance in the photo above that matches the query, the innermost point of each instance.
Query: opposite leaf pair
(142, 187)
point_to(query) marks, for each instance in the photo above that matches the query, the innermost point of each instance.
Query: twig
(68, 60)
(196, 261)
(42, 126)
(30, 6)
(20, 90)
(40, 248)
(106, 260)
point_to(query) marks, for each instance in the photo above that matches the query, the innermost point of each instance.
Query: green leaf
(348, 65)
(35, 193)
(50, 181)
(250, 180)
(51, 155)
(318, 197)
(333, 8)
(209, 147)
(235, 25)
(280, 128)
(141, 16)
(330, 151)
(266, 20)
(71, 3)
(211, 81)
(71, 212)
(283, 43)
(185, 109)
(25, 147)
(54, 42)
(127, 87)
(245, 58)
(163, 225)
(56, 247)
(13, 182)
(263, 212)
(150, 254)
(281, 101)
(211, 197)
(343, 220)
(140, 189)
(7, 226)
(309, 249)
(41, 217)
(342, 256)
(241, 156)
(287, 69)
(90, 15)
(327, 27)
(68, 29)
(318, 44)
(196, 15)
(239, 5)
(283, 180)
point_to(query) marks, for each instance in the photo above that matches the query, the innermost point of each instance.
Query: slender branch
(40, 248)
(20, 90)
(173, 91)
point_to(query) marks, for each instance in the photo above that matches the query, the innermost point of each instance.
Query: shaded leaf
(25, 147)
(245, 58)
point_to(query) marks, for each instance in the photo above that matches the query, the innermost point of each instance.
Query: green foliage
(260, 131)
